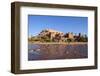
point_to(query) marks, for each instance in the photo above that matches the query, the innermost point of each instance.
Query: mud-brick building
(51, 33)
(58, 36)
(69, 35)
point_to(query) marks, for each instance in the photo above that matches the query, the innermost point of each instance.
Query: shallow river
(57, 51)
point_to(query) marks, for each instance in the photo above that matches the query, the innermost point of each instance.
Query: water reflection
(56, 51)
(33, 52)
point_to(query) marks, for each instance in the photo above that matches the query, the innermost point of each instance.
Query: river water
(57, 51)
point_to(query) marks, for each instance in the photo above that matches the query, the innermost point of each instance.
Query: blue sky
(36, 23)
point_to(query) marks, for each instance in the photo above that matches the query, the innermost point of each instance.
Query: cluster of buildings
(57, 36)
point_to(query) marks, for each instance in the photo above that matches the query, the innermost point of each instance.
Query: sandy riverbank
(58, 43)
